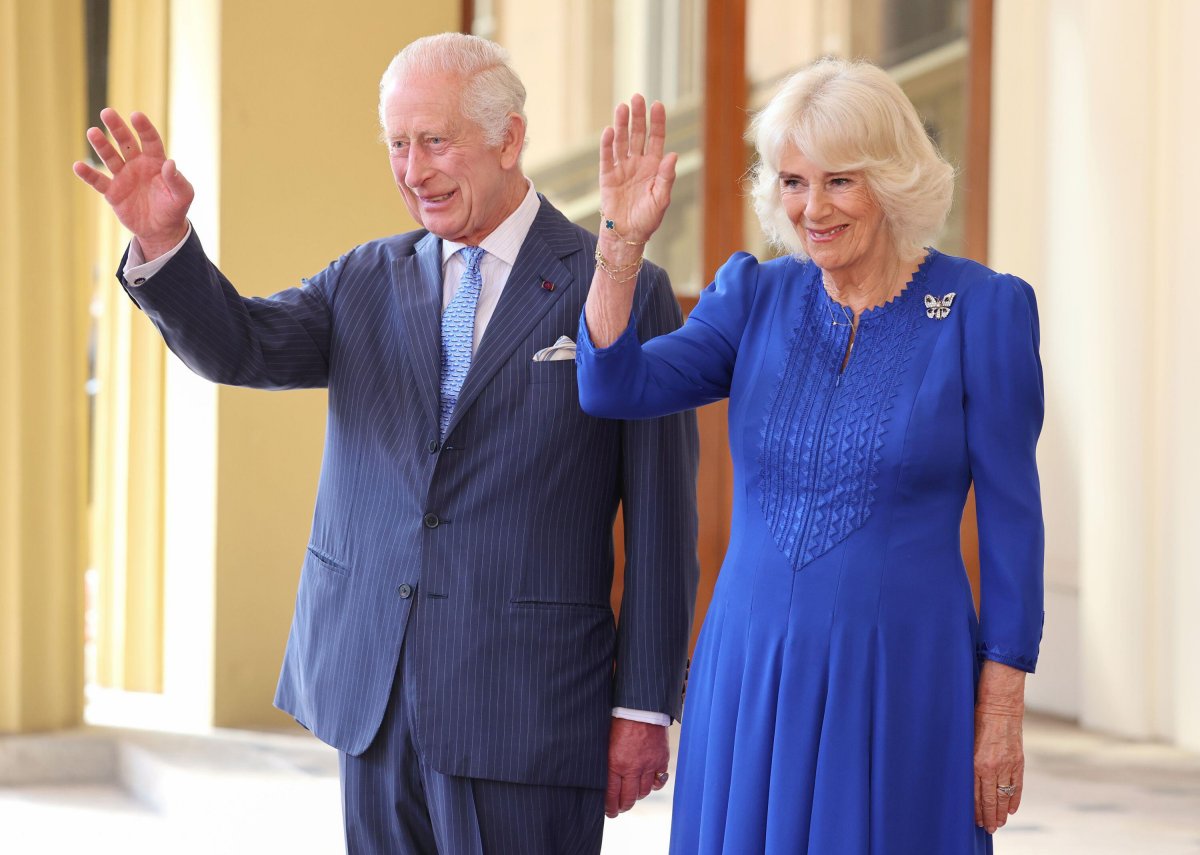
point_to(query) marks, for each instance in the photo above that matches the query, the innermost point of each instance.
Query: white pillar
(1179, 388)
(1094, 181)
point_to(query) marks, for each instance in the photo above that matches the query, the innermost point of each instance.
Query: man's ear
(513, 142)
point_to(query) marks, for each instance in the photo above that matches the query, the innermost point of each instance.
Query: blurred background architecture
(152, 525)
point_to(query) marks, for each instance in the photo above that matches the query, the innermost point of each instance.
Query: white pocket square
(564, 348)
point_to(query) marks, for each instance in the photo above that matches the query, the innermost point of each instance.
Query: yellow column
(43, 365)
(274, 120)
(127, 463)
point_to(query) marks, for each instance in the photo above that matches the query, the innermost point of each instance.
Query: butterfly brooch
(937, 309)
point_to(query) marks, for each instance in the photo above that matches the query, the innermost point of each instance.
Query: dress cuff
(623, 340)
(644, 716)
(1006, 657)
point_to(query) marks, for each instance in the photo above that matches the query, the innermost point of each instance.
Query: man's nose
(417, 168)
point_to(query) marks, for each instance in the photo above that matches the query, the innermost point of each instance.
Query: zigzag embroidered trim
(822, 436)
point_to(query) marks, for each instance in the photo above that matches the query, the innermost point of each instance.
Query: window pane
(577, 59)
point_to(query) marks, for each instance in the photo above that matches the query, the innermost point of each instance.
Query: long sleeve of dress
(1004, 406)
(688, 368)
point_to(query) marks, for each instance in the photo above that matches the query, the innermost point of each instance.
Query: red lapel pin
(547, 284)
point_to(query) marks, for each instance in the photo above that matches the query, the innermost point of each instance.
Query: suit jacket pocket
(553, 604)
(328, 562)
(554, 371)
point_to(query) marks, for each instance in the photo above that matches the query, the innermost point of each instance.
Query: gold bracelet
(610, 226)
(615, 273)
(607, 266)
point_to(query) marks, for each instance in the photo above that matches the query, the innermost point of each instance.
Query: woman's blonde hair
(852, 117)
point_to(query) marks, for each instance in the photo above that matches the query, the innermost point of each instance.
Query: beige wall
(274, 119)
(1093, 188)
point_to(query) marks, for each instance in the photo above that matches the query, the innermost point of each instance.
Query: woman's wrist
(618, 252)
(1001, 690)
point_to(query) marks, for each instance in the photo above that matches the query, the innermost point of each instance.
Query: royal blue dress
(830, 708)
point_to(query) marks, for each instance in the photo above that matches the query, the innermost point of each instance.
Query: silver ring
(661, 777)
(1009, 790)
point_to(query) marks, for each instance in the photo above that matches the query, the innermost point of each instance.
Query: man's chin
(441, 227)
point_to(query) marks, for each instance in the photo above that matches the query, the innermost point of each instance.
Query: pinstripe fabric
(393, 803)
(503, 532)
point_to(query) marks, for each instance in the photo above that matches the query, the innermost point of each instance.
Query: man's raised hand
(146, 191)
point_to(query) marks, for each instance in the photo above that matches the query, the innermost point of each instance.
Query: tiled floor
(1084, 794)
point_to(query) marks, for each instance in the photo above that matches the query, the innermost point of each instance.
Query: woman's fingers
(1002, 802)
(666, 177)
(988, 794)
(656, 143)
(992, 805)
(637, 126)
(621, 129)
(606, 151)
(1019, 782)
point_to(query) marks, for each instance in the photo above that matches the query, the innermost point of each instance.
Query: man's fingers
(92, 177)
(629, 792)
(637, 125)
(120, 132)
(645, 785)
(612, 795)
(978, 804)
(179, 186)
(104, 150)
(152, 143)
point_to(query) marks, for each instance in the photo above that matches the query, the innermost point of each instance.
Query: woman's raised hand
(635, 175)
(146, 191)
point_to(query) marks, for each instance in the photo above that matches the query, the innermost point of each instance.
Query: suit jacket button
(433, 446)
(432, 521)
(405, 591)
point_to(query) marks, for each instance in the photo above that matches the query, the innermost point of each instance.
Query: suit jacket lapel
(524, 302)
(419, 281)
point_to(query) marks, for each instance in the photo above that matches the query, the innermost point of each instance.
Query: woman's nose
(816, 204)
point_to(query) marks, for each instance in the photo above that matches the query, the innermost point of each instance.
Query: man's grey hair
(852, 117)
(490, 91)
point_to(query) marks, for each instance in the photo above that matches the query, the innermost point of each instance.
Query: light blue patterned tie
(458, 333)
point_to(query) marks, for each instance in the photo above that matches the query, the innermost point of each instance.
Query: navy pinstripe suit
(502, 534)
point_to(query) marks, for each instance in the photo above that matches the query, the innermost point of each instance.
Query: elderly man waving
(452, 635)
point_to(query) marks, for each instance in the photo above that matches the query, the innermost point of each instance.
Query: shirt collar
(505, 240)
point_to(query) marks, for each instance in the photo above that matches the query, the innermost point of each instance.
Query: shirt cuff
(644, 716)
(137, 269)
